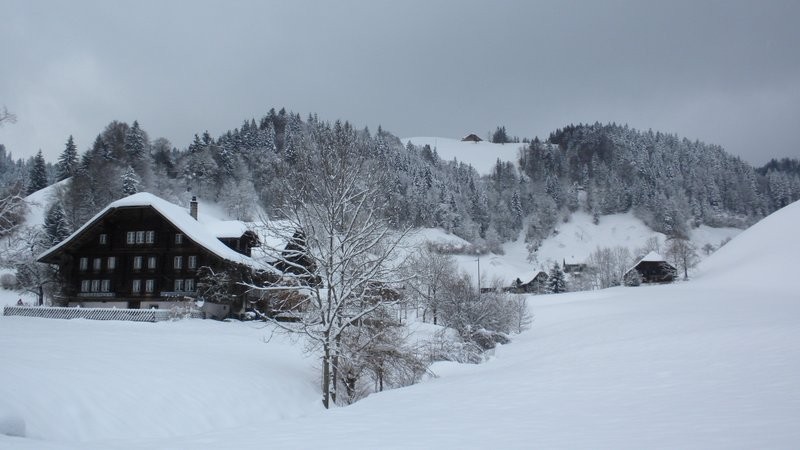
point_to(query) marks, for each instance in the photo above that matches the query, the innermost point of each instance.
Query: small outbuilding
(472, 137)
(654, 269)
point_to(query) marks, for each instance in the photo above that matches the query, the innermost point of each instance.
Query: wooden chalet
(654, 269)
(144, 252)
(472, 137)
(537, 285)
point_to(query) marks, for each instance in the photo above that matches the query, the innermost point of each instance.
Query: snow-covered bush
(8, 281)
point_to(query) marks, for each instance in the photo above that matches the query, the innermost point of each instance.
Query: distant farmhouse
(573, 267)
(472, 137)
(653, 269)
(537, 285)
(143, 252)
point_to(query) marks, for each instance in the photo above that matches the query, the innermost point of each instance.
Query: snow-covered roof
(225, 228)
(204, 232)
(652, 257)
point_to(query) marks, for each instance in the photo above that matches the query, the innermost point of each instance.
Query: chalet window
(95, 285)
(84, 263)
(149, 286)
(137, 286)
(188, 285)
(178, 238)
(191, 263)
(178, 285)
(140, 237)
(97, 264)
(112, 262)
(85, 285)
(137, 263)
(105, 286)
(177, 262)
(103, 239)
(151, 262)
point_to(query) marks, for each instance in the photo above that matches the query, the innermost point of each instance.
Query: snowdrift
(763, 256)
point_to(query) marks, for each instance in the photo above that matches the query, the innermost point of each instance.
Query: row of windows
(97, 263)
(96, 286)
(139, 237)
(149, 285)
(180, 285)
(138, 261)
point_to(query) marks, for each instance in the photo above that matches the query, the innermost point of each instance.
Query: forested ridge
(669, 182)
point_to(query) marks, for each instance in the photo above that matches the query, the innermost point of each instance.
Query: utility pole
(479, 276)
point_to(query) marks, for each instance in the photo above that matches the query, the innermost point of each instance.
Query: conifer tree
(135, 143)
(516, 209)
(55, 225)
(38, 174)
(130, 182)
(556, 281)
(68, 161)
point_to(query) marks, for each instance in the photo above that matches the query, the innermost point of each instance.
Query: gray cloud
(721, 71)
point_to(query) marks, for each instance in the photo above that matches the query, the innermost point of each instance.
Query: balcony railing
(97, 294)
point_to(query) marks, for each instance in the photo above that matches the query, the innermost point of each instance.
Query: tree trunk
(326, 376)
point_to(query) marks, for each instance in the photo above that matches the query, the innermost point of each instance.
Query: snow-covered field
(710, 363)
(480, 155)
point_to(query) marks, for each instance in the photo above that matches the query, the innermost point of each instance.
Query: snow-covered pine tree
(56, 227)
(130, 182)
(68, 161)
(516, 209)
(38, 174)
(556, 281)
(135, 143)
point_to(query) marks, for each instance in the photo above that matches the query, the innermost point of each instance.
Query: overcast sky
(725, 72)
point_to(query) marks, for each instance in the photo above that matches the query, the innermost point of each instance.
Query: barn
(472, 137)
(652, 268)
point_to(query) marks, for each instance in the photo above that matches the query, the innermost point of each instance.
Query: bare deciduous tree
(683, 254)
(349, 253)
(609, 265)
(430, 270)
(7, 117)
(12, 212)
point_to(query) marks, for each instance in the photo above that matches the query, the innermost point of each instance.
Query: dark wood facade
(655, 271)
(472, 137)
(535, 286)
(133, 257)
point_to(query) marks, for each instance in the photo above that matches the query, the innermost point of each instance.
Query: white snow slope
(480, 155)
(710, 363)
(573, 242)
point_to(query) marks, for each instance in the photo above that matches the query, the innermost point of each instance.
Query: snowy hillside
(573, 241)
(712, 363)
(480, 155)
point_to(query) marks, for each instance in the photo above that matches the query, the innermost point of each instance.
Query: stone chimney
(193, 207)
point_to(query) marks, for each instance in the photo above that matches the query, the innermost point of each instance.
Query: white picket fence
(131, 315)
